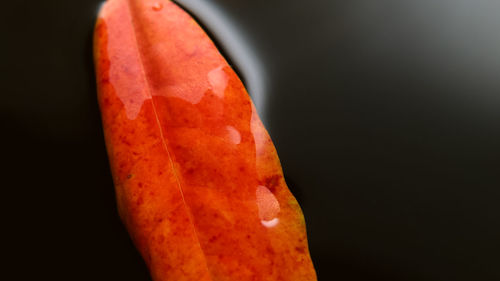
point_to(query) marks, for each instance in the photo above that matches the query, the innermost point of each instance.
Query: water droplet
(157, 6)
(218, 81)
(271, 223)
(233, 134)
(268, 206)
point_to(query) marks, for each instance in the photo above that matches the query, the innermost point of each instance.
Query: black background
(385, 115)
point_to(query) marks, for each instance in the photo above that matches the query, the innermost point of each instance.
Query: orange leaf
(198, 181)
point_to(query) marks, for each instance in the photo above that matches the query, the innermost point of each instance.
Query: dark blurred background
(385, 114)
